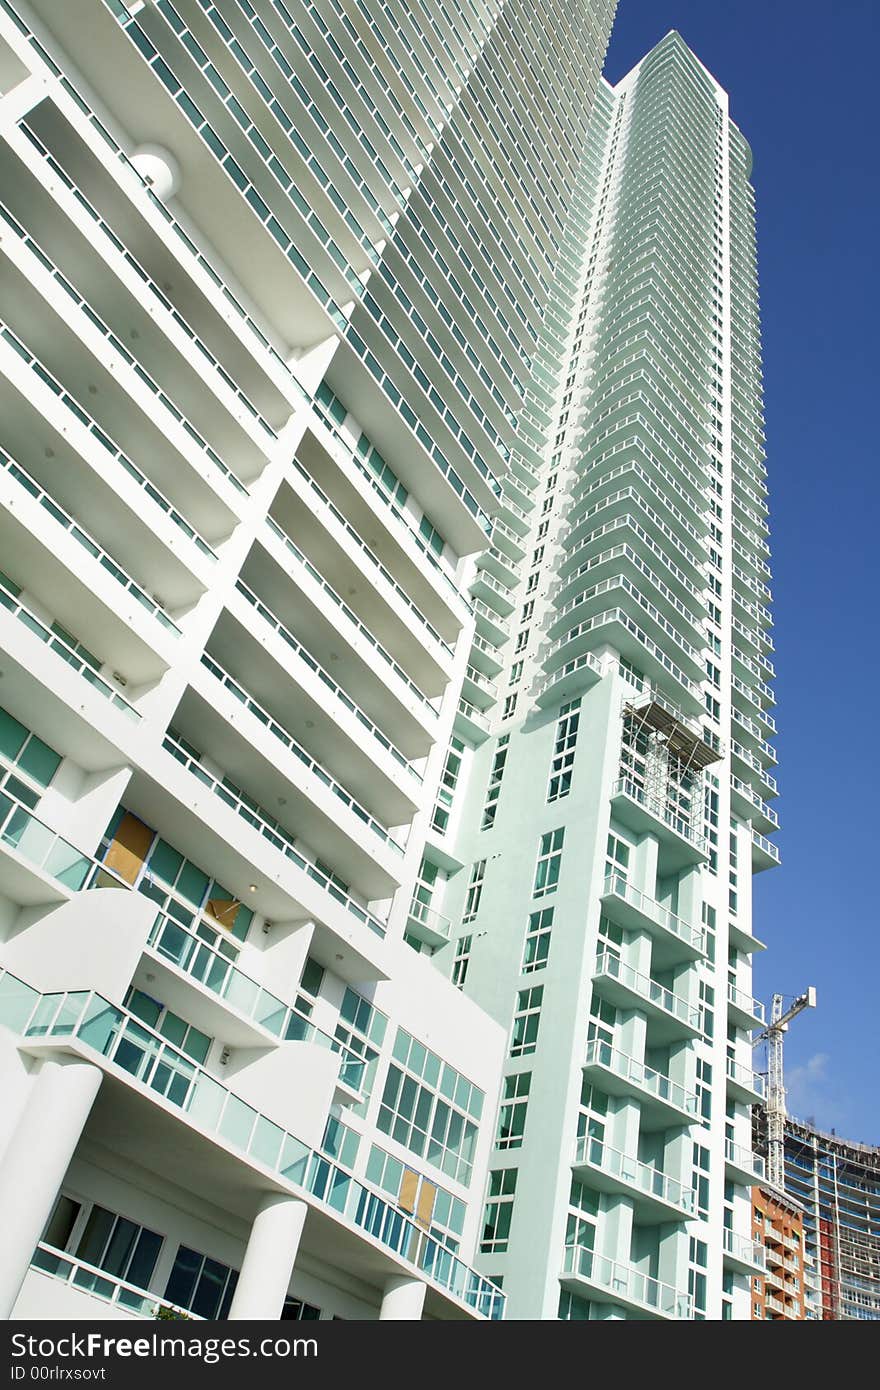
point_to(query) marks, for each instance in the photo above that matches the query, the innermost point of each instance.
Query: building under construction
(838, 1184)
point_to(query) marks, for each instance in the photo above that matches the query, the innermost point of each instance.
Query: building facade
(274, 280)
(592, 852)
(780, 1293)
(837, 1182)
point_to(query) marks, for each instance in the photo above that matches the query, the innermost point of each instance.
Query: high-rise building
(595, 849)
(274, 280)
(779, 1293)
(836, 1183)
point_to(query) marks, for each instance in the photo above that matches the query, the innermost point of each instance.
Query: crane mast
(774, 1033)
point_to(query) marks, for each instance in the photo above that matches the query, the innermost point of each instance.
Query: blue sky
(802, 86)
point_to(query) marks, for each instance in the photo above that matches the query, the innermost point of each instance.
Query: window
(603, 1020)
(537, 944)
(549, 861)
(179, 887)
(309, 989)
(509, 706)
(499, 1211)
(474, 892)
(360, 1030)
(563, 751)
(461, 961)
(704, 1089)
(516, 671)
(617, 858)
(583, 1204)
(28, 755)
(448, 784)
(526, 1021)
(295, 1310)
(493, 791)
(437, 1124)
(175, 1030)
(98, 1237)
(201, 1285)
(432, 1207)
(700, 1180)
(431, 535)
(514, 1102)
(707, 1010)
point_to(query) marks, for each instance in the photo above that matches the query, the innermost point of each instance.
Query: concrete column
(269, 1259)
(403, 1299)
(35, 1162)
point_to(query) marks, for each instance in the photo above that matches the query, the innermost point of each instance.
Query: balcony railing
(120, 348)
(634, 1173)
(470, 712)
(744, 1159)
(630, 1285)
(198, 958)
(9, 599)
(745, 1003)
(646, 988)
(74, 529)
(483, 610)
(157, 1069)
(298, 751)
(744, 1076)
(348, 612)
(270, 830)
(98, 1283)
(287, 636)
(742, 1248)
(617, 885)
(765, 846)
(88, 423)
(585, 662)
(429, 917)
(640, 1076)
(626, 787)
(362, 545)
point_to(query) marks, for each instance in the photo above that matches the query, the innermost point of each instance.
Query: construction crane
(774, 1105)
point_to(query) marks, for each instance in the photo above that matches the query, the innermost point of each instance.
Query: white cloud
(810, 1093)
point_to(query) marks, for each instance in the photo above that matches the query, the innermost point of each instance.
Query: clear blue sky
(802, 80)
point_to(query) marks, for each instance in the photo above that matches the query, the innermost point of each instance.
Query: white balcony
(59, 1286)
(675, 939)
(255, 648)
(679, 843)
(742, 1165)
(744, 1084)
(427, 924)
(743, 1010)
(742, 1254)
(609, 1281)
(471, 723)
(669, 1016)
(575, 676)
(664, 1103)
(658, 1197)
(765, 855)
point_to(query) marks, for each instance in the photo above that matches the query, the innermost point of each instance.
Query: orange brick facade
(777, 1224)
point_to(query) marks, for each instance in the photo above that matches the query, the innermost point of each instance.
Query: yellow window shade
(425, 1208)
(129, 848)
(223, 910)
(408, 1189)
